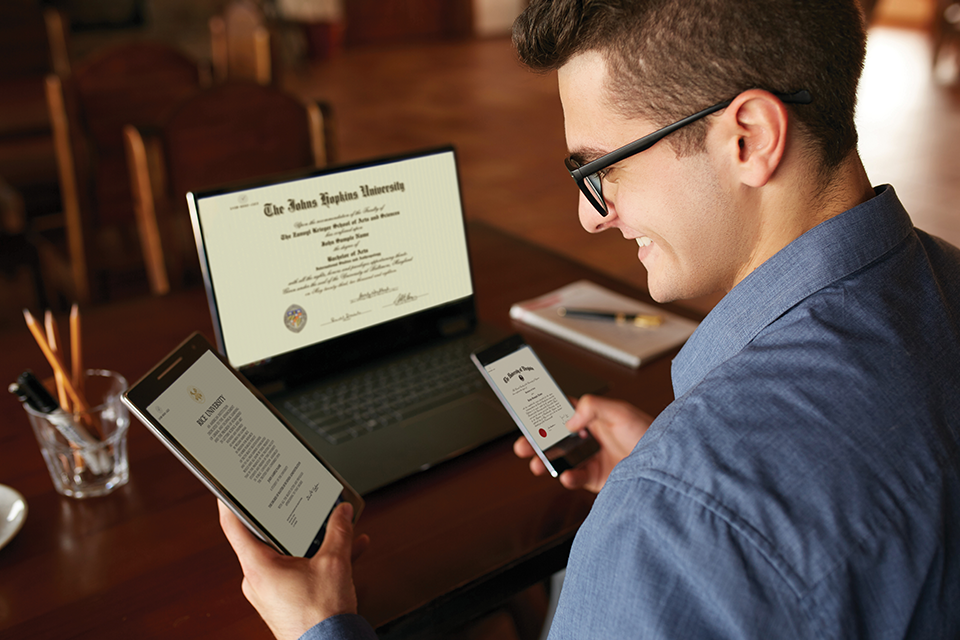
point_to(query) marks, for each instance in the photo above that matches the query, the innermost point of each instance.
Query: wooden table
(150, 560)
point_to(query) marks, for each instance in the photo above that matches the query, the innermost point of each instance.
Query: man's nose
(590, 218)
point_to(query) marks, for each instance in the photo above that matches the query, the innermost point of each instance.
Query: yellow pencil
(80, 404)
(53, 339)
(76, 348)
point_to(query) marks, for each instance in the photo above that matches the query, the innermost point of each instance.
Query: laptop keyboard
(390, 393)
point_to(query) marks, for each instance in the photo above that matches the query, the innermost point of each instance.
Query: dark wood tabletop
(150, 560)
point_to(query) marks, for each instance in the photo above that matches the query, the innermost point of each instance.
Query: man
(805, 482)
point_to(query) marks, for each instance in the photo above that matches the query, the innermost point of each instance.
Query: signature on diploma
(350, 315)
(369, 295)
(405, 298)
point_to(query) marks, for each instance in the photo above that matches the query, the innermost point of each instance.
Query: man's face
(691, 239)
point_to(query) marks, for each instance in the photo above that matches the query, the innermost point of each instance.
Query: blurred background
(111, 109)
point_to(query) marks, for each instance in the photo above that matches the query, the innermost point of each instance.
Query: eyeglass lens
(595, 183)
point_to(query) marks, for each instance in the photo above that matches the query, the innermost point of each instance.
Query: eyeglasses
(589, 176)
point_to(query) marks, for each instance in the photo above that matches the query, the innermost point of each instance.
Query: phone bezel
(143, 393)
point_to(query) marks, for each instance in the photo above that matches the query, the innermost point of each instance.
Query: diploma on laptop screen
(300, 262)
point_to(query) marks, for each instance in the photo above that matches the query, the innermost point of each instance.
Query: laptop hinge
(454, 326)
(272, 388)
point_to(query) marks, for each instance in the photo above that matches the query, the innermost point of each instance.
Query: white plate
(13, 511)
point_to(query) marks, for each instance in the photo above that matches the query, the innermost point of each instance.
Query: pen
(35, 395)
(636, 319)
(23, 397)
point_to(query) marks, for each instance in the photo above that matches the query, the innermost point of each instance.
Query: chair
(32, 45)
(139, 83)
(240, 44)
(227, 133)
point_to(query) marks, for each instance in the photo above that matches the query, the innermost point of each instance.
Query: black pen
(636, 319)
(32, 393)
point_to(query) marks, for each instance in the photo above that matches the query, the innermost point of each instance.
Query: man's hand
(293, 594)
(617, 426)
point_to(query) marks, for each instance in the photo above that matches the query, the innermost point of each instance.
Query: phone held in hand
(536, 403)
(218, 425)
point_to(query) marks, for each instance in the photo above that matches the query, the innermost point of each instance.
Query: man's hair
(668, 59)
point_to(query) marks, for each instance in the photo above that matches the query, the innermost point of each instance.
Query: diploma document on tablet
(239, 447)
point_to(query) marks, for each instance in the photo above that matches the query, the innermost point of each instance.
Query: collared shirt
(806, 481)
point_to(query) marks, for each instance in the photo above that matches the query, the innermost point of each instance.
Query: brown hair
(670, 58)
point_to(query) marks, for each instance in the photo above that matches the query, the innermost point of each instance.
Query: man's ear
(755, 127)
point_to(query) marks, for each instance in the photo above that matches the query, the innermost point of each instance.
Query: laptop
(345, 296)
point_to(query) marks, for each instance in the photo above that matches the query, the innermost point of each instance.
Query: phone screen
(243, 446)
(535, 401)
(533, 395)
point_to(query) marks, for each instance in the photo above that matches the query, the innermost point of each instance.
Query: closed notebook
(625, 343)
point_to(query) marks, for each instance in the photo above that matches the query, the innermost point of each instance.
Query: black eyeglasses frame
(588, 176)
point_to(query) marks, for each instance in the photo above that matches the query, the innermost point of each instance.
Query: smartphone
(536, 403)
(240, 447)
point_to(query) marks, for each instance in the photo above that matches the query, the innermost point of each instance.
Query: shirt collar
(830, 251)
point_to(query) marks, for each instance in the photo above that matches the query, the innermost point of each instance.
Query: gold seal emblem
(196, 394)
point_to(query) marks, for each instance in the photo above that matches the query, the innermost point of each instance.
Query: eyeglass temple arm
(800, 97)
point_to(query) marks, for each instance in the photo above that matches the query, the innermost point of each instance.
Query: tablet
(240, 447)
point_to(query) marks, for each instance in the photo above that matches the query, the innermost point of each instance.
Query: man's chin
(659, 294)
(664, 292)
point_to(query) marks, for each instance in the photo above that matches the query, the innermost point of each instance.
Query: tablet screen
(248, 451)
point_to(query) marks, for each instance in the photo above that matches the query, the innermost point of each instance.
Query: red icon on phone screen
(543, 433)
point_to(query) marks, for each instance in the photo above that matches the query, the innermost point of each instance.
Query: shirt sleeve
(346, 626)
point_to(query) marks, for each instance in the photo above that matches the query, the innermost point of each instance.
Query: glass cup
(86, 452)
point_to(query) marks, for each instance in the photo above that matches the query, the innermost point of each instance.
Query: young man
(806, 480)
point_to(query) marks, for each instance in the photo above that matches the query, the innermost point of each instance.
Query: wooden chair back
(32, 45)
(240, 44)
(33, 39)
(138, 83)
(227, 133)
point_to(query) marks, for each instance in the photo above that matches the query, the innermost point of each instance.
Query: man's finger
(338, 539)
(248, 547)
(522, 448)
(360, 544)
(584, 414)
(237, 533)
(537, 467)
(574, 478)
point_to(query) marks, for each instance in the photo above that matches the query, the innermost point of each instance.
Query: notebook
(354, 282)
(625, 343)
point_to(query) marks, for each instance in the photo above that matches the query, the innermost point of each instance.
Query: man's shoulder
(819, 429)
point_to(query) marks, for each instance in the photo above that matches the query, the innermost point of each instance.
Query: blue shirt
(805, 483)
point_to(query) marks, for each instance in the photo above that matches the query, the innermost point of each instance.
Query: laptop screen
(305, 261)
